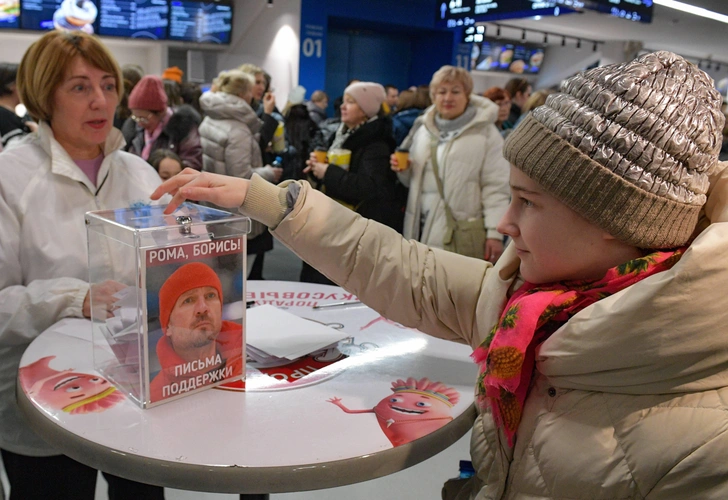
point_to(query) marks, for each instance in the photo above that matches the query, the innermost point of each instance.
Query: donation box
(167, 299)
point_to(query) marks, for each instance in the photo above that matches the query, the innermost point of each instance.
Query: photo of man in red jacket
(198, 347)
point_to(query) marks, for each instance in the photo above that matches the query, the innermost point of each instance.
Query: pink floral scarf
(507, 355)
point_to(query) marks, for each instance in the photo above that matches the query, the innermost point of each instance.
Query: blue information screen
(60, 14)
(134, 19)
(203, 22)
(504, 55)
(10, 14)
(454, 13)
(632, 10)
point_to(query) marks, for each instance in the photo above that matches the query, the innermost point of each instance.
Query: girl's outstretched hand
(190, 184)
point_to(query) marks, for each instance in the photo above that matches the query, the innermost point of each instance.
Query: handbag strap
(451, 224)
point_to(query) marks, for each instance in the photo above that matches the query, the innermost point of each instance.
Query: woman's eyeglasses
(141, 120)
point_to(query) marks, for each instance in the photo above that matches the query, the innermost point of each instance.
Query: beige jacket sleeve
(440, 293)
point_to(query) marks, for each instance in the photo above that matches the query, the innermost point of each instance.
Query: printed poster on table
(192, 344)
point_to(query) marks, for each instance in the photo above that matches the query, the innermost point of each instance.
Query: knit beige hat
(369, 96)
(628, 146)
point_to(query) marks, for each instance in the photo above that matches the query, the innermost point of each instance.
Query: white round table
(269, 438)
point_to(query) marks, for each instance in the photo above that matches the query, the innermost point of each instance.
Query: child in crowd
(166, 163)
(599, 332)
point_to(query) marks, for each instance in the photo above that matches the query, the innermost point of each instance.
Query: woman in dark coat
(366, 184)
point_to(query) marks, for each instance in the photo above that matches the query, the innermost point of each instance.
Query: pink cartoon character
(417, 408)
(67, 390)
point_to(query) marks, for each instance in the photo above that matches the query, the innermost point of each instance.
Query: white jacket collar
(61, 162)
(486, 112)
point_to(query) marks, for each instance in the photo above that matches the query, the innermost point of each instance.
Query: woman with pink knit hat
(158, 126)
(366, 184)
(599, 333)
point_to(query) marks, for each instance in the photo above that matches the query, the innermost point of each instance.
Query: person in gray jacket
(229, 132)
(317, 106)
(230, 136)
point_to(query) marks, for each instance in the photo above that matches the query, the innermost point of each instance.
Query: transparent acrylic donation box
(167, 299)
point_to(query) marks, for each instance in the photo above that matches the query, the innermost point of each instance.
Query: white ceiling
(685, 34)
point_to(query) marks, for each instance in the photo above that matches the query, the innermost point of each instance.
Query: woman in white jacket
(71, 165)
(460, 126)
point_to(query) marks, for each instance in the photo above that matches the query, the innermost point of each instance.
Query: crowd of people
(610, 191)
(235, 128)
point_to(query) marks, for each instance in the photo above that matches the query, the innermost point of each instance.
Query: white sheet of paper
(285, 335)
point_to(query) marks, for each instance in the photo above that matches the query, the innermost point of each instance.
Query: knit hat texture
(173, 73)
(368, 95)
(148, 94)
(627, 146)
(187, 277)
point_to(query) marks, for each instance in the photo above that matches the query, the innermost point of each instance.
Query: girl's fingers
(173, 184)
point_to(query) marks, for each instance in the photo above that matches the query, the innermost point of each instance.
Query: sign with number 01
(312, 47)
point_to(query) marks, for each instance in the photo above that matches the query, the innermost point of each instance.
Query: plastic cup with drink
(321, 154)
(402, 157)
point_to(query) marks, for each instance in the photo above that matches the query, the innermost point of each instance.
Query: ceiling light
(692, 9)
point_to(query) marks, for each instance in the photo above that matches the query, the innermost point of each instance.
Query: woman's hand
(272, 174)
(316, 168)
(394, 164)
(269, 103)
(103, 299)
(203, 186)
(277, 174)
(493, 249)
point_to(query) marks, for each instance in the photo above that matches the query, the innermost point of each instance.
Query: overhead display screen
(505, 55)
(455, 13)
(59, 14)
(137, 19)
(203, 22)
(181, 20)
(632, 10)
(9, 14)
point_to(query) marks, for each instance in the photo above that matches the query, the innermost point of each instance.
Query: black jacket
(370, 184)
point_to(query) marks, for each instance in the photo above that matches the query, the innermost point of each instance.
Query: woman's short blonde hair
(45, 63)
(451, 74)
(251, 69)
(235, 82)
